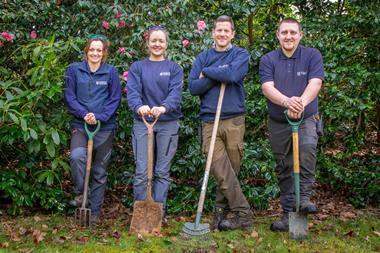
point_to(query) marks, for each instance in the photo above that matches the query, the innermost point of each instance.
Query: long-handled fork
(83, 214)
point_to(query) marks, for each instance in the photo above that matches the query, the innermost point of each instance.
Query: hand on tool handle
(295, 107)
(155, 111)
(158, 110)
(143, 110)
(90, 118)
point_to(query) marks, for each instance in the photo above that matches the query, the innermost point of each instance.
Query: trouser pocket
(319, 124)
(172, 145)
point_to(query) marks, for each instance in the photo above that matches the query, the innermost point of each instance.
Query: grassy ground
(58, 234)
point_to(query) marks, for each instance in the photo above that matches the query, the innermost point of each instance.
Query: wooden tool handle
(296, 160)
(211, 150)
(90, 146)
(150, 157)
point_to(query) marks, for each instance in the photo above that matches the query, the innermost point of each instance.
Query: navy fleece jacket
(230, 67)
(155, 83)
(98, 92)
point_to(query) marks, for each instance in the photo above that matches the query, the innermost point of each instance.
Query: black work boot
(219, 214)
(281, 225)
(308, 207)
(238, 220)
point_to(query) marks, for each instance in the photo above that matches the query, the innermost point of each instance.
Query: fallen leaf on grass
(376, 233)
(180, 219)
(350, 233)
(116, 234)
(82, 240)
(254, 234)
(38, 236)
(58, 240)
(45, 226)
(36, 218)
(25, 250)
(140, 237)
(213, 246)
(22, 231)
(14, 237)
(321, 216)
(104, 241)
(347, 215)
(7, 227)
(4, 245)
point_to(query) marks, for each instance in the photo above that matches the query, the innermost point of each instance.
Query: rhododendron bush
(38, 39)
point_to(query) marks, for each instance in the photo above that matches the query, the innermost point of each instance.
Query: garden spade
(83, 214)
(147, 214)
(197, 229)
(298, 229)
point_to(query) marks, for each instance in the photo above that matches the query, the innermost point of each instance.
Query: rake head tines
(193, 230)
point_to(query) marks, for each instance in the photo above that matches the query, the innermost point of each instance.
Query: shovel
(298, 228)
(147, 214)
(83, 214)
(197, 229)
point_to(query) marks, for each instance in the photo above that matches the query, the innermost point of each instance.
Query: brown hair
(106, 45)
(290, 20)
(154, 28)
(225, 18)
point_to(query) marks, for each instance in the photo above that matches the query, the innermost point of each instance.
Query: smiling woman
(92, 94)
(154, 88)
(157, 42)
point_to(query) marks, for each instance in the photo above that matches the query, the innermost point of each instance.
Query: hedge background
(40, 38)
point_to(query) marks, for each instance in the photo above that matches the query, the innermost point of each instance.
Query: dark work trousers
(166, 140)
(226, 159)
(100, 159)
(280, 136)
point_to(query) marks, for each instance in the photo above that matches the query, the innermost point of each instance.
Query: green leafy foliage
(35, 128)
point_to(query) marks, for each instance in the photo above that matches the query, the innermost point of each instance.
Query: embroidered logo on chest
(301, 73)
(101, 82)
(165, 74)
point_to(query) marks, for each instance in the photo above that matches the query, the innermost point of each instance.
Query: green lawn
(58, 234)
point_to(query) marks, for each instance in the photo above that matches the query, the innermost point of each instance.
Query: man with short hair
(291, 78)
(228, 64)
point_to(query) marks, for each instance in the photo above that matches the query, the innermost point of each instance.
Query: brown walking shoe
(219, 215)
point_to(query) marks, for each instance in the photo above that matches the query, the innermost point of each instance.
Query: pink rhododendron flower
(201, 25)
(122, 50)
(118, 15)
(145, 35)
(105, 25)
(7, 36)
(185, 43)
(121, 23)
(125, 76)
(33, 34)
